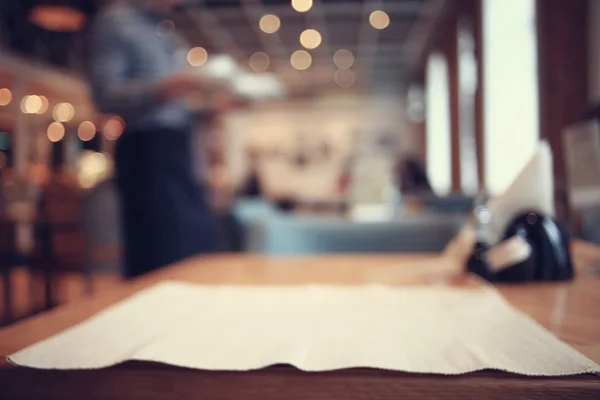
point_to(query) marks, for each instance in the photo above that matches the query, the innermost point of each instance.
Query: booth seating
(268, 231)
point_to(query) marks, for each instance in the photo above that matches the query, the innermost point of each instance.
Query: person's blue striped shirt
(130, 56)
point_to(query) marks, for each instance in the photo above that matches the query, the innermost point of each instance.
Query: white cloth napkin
(532, 190)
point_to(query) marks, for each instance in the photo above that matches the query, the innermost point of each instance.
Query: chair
(292, 235)
(60, 240)
(18, 202)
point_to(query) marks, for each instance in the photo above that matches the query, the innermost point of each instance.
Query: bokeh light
(56, 132)
(5, 96)
(197, 56)
(86, 131)
(302, 5)
(379, 19)
(92, 168)
(57, 17)
(63, 112)
(269, 23)
(31, 104)
(301, 60)
(113, 128)
(45, 105)
(310, 38)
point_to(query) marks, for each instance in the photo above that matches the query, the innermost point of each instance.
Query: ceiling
(384, 58)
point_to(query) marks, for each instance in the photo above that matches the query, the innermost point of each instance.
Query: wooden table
(570, 310)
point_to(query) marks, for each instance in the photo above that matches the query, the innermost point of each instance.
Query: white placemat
(315, 328)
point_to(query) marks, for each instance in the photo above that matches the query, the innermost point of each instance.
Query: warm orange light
(379, 19)
(92, 167)
(56, 132)
(5, 96)
(63, 112)
(269, 23)
(197, 56)
(310, 38)
(302, 5)
(86, 131)
(57, 18)
(44, 106)
(301, 60)
(113, 128)
(31, 104)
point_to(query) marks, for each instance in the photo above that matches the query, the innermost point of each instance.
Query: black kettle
(549, 259)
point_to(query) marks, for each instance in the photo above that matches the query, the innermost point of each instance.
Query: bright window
(511, 89)
(439, 163)
(467, 83)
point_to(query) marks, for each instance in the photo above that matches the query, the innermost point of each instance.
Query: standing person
(134, 73)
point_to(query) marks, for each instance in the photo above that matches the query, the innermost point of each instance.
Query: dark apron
(166, 217)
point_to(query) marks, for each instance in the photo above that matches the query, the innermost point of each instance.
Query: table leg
(7, 300)
(49, 301)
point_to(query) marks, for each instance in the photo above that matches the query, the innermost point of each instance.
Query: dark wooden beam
(450, 50)
(473, 11)
(444, 39)
(562, 28)
(421, 127)
(469, 12)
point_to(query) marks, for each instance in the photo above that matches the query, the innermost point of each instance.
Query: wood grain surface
(570, 310)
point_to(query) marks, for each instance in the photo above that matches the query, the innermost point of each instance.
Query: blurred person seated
(285, 204)
(251, 187)
(412, 177)
(222, 197)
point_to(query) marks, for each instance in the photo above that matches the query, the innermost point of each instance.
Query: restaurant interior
(356, 136)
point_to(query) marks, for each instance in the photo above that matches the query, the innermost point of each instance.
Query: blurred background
(366, 126)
